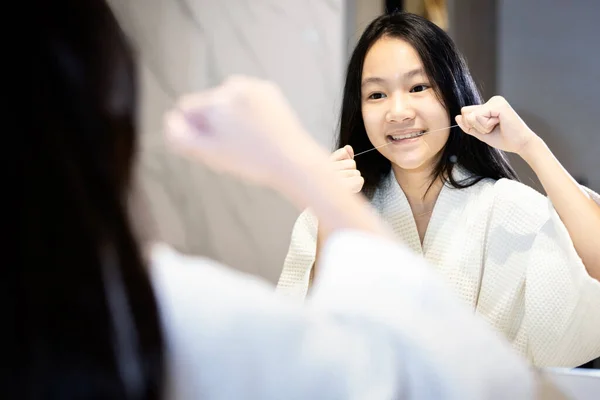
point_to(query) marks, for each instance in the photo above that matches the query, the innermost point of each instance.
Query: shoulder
(514, 201)
(516, 194)
(169, 266)
(511, 204)
(207, 306)
(172, 269)
(195, 291)
(215, 320)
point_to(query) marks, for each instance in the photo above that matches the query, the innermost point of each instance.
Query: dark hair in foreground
(448, 72)
(83, 320)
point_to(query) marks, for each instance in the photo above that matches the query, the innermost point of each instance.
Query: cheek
(370, 116)
(372, 121)
(436, 141)
(442, 116)
(435, 112)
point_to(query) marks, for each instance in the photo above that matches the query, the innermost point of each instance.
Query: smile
(412, 135)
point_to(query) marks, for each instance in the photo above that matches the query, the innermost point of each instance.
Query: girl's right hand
(345, 167)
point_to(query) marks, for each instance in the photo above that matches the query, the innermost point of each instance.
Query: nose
(400, 109)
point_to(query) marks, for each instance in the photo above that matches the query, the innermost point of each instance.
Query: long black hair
(84, 321)
(448, 72)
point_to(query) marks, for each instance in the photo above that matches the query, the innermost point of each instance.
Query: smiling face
(399, 104)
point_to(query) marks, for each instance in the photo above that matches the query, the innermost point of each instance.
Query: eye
(376, 96)
(419, 88)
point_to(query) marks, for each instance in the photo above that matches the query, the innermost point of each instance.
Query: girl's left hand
(496, 124)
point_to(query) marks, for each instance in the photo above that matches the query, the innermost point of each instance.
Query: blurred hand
(244, 127)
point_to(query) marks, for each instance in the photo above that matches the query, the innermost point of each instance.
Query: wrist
(533, 150)
(300, 172)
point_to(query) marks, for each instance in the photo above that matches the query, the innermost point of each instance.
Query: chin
(412, 160)
(411, 164)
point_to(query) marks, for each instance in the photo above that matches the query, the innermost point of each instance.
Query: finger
(350, 151)
(198, 110)
(197, 101)
(183, 137)
(481, 118)
(489, 109)
(345, 165)
(175, 127)
(462, 123)
(350, 173)
(487, 124)
(356, 184)
(340, 154)
(467, 129)
(468, 109)
(460, 120)
(484, 118)
(472, 120)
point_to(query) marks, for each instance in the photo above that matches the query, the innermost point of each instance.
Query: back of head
(86, 323)
(454, 86)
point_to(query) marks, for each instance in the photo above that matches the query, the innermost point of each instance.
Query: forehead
(390, 58)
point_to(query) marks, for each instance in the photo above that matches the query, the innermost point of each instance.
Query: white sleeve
(562, 312)
(528, 242)
(593, 195)
(388, 332)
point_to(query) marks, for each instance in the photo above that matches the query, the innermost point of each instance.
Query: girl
(526, 264)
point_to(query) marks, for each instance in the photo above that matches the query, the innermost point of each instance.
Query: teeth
(409, 136)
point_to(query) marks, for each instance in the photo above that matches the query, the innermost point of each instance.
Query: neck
(415, 185)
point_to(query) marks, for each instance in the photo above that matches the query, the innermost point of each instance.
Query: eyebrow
(407, 75)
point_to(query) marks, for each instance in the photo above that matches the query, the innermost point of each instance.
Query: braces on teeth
(409, 136)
